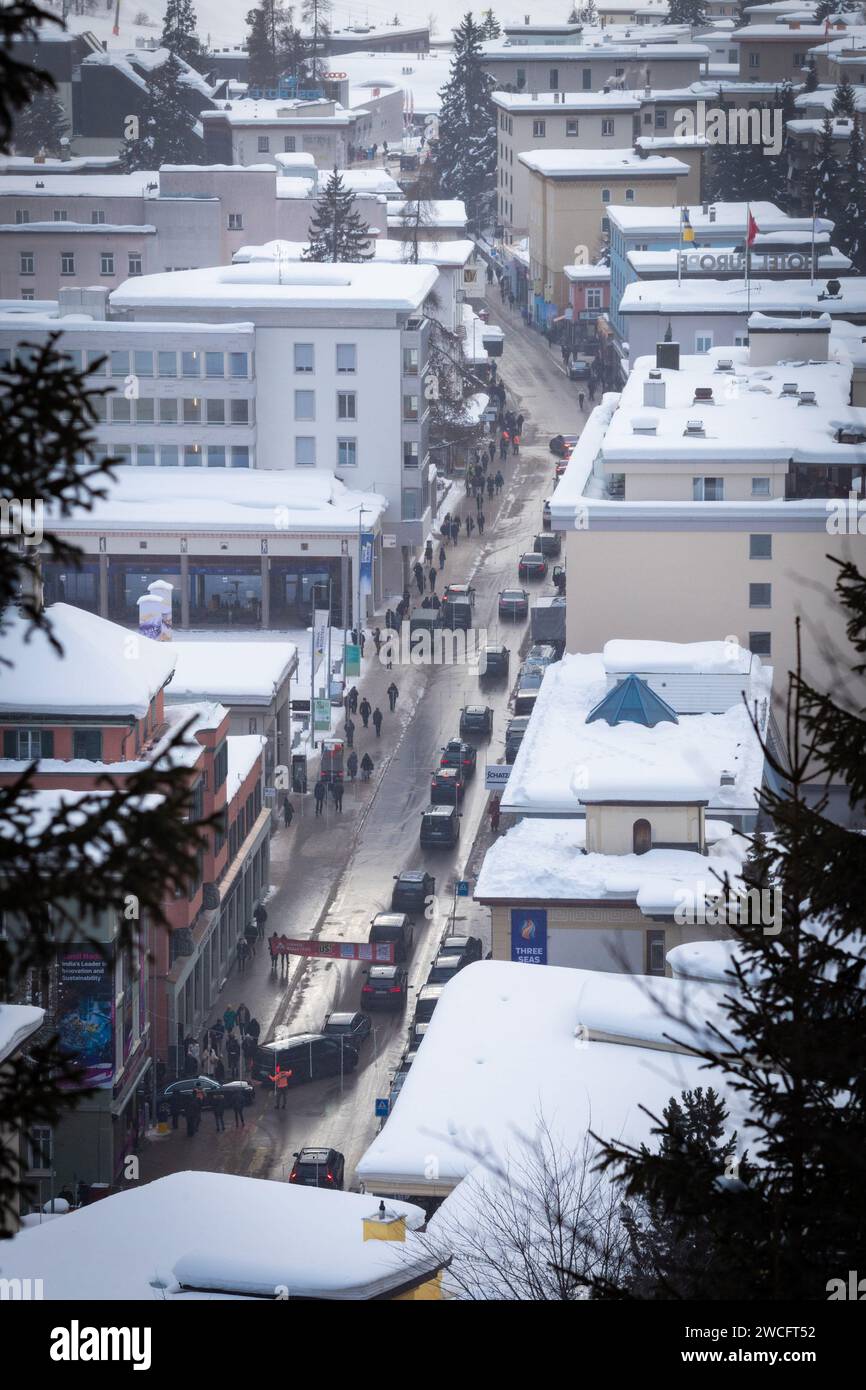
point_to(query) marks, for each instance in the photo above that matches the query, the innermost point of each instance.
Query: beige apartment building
(594, 64)
(569, 193)
(774, 52)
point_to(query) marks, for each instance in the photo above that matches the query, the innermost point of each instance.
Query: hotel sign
(766, 262)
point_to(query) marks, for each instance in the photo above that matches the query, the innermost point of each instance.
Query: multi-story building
(595, 63)
(570, 194)
(778, 52)
(253, 132)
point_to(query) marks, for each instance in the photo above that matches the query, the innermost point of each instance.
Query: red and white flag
(752, 228)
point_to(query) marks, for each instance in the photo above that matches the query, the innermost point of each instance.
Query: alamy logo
(707, 906)
(746, 125)
(77, 1343)
(852, 1289)
(440, 647)
(22, 517)
(21, 1290)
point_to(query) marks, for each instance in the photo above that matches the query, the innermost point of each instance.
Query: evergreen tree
(292, 49)
(41, 125)
(723, 172)
(179, 30)
(466, 149)
(337, 231)
(166, 125)
(810, 82)
(490, 26)
(266, 24)
(317, 14)
(692, 12)
(587, 14)
(851, 227)
(843, 99)
(791, 1043)
(827, 191)
(825, 8)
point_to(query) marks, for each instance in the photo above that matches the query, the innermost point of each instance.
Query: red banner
(378, 952)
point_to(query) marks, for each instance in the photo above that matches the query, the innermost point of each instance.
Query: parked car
(546, 521)
(476, 721)
(528, 686)
(396, 929)
(210, 1089)
(416, 1035)
(306, 1057)
(428, 998)
(513, 603)
(561, 445)
(531, 565)
(514, 732)
(469, 947)
(548, 543)
(440, 827)
(412, 890)
(493, 663)
(353, 1028)
(541, 655)
(445, 966)
(578, 369)
(447, 786)
(456, 592)
(456, 753)
(319, 1167)
(386, 987)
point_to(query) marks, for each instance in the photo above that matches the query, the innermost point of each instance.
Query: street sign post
(383, 1107)
(463, 887)
(496, 776)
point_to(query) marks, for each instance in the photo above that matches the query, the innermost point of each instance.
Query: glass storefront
(64, 584)
(224, 593)
(293, 584)
(128, 580)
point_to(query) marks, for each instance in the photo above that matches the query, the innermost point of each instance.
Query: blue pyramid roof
(633, 701)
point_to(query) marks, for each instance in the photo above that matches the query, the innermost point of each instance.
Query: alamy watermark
(22, 517)
(745, 125)
(439, 646)
(705, 905)
(846, 516)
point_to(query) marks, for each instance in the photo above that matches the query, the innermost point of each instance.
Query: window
(410, 407)
(190, 364)
(410, 454)
(60, 215)
(754, 60)
(656, 954)
(586, 79)
(289, 144)
(521, 78)
(216, 456)
(193, 456)
(106, 263)
(241, 456)
(760, 487)
(26, 263)
(142, 363)
(760, 547)
(305, 451)
(121, 410)
(236, 221)
(22, 216)
(553, 79)
(96, 363)
(305, 360)
(100, 407)
(145, 456)
(239, 412)
(215, 412)
(703, 342)
(760, 595)
(97, 217)
(347, 453)
(605, 225)
(347, 405)
(25, 745)
(799, 59)
(629, 195)
(28, 294)
(168, 410)
(214, 365)
(347, 355)
(305, 405)
(733, 55)
(641, 836)
(122, 452)
(605, 195)
(67, 262)
(192, 410)
(144, 410)
(412, 499)
(647, 117)
(593, 298)
(708, 489)
(539, 130)
(40, 1149)
(760, 644)
(120, 362)
(661, 120)
(134, 259)
(741, 340)
(87, 744)
(264, 144)
(168, 456)
(238, 364)
(167, 363)
(572, 127)
(608, 125)
(410, 361)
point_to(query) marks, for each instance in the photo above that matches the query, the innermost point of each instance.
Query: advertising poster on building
(353, 660)
(86, 1013)
(529, 935)
(366, 561)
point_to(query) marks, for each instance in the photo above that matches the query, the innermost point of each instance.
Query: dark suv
(352, 1028)
(456, 753)
(548, 543)
(306, 1057)
(469, 947)
(394, 928)
(386, 987)
(447, 786)
(514, 736)
(411, 891)
(446, 965)
(314, 1167)
(476, 721)
(440, 827)
(209, 1088)
(493, 663)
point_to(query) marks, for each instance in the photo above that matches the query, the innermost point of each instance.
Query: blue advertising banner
(86, 1013)
(529, 935)
(366, 561)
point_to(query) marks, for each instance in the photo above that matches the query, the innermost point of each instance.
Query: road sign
(383, 1107)
(463, 887)
(496, 776)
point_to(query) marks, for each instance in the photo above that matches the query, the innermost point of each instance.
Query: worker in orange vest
(280, 1079)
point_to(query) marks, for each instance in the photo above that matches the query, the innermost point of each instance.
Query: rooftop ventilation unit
(654, 393)
(712, 214)
(727, 778)
(644, 424)
(851, 434)
(695, 428)
(725, 364)
(668, 355)
(790, 388)
(703, 393)
(807, 398)
(655, 374)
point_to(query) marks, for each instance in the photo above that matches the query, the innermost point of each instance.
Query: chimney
(654, 393)
(668, 355)
(385, 1225)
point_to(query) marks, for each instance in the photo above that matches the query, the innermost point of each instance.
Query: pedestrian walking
(499, 481)
(519, 423)
(261, 916)
(281, 1088)
(493, 811)
(174, 1105)
(320, 792)
(515, 443)
(442, 557)
(428, 553)
(288, 812)
(504, 440)
(365, 710)
(479, 502)
(580, 400)
(238, 1109)
(392, 692)
(251, 932)
(435, 602)
(565, 354)
(218, 1108)
(219, 1071)
(337, 794)
(272, 947)
(366, 767)
(350, 732)
(455, 532)
(377, 639)
(470, 526)
(480, 520)
(418, 571)
(190, 1113)
(590, 386)
(241, 953)
(233, 1053)
(230, 1018)
(248, 1050)
(352, 765)
(362, 638)
(243, 1018)
(433, 576)
(377, 721)
(352, 700)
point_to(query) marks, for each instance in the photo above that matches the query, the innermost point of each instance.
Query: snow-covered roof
(247, 674)
(438, 212)
(508, 1050)
(264, 285)
(595, 164)
(718, 217)
(710, 961)
(586, 272)
(82, 186)
(441, 253)
(47, 316)
(694, 658)
(497, 52)
(564, 763)
(421, 75)
(244, 751)
(94, 676)
(377, 181)
(187, 500)
(823, 97)
(18, 1022)
(79, 228)
(229, 1235)
(288, 113)
(530, 103)
(699, 296)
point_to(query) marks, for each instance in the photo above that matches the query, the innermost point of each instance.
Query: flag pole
(748, 258)
(680, 253)
(812, 261)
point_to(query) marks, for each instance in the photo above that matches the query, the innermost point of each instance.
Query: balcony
(803, 481)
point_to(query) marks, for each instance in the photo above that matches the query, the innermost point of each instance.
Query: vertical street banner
(321, 618)
(353, 660)
(366, 561)
(529, 935)
(86, 1013)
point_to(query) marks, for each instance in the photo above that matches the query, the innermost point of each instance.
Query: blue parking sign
(383, 1107)
(463, 887)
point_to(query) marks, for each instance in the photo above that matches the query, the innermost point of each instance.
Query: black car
(447, 786)
(514, 732)
(305, 1057)
(548, 543)
(513, 603)
(446, 965)
(456, 753)
(456, 592)
(531, 565)
(210, 1089)
(476, 721)
(541, 655)
(386, 987)
(469, 947)
(456, 613)
(440, 827)
(493, 662)
(353, 1028)
(412, 891)
(319, 1167)
(428, 998)
(395, 929)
